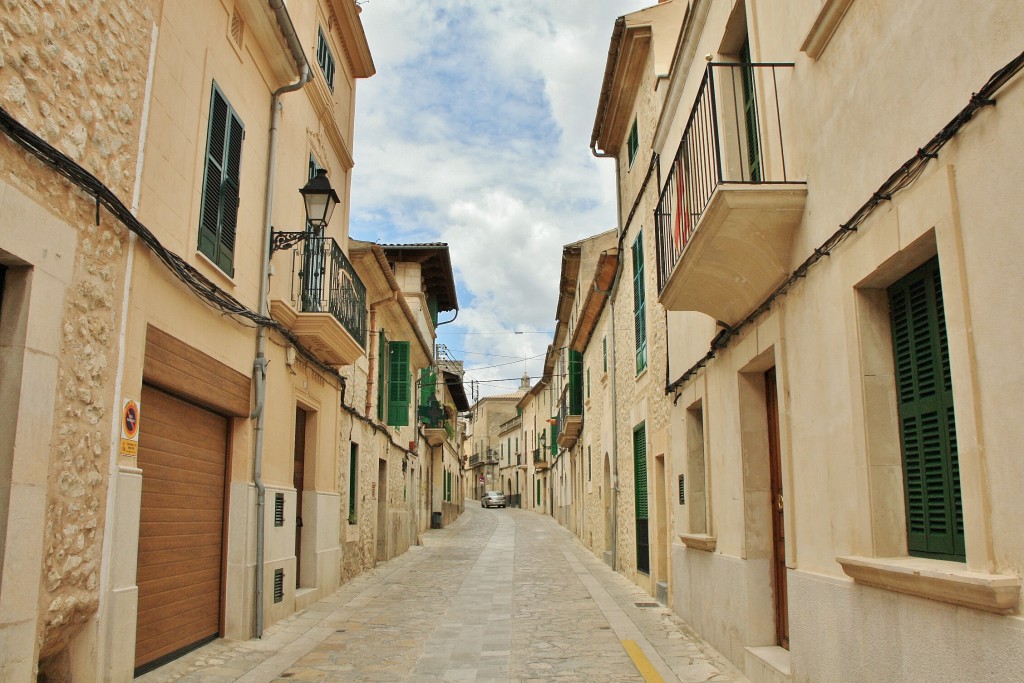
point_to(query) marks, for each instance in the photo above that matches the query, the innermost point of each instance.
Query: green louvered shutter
(218, 219)
(398, 383)
(554, 437)
(382, 373)
(639, 304)
(575, 383)
(428, 383)
(643, 554)
(935, 526)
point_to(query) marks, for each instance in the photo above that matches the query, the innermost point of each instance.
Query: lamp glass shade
(320, 199)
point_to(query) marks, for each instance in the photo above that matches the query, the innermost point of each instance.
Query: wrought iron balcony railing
(324, 281)
(733, 136)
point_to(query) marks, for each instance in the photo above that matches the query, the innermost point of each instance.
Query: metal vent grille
(278, 509)
(682, 491)
(278, 585)
(237, 28)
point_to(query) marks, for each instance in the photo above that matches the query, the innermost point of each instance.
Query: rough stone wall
(75, 73)
(593, 442)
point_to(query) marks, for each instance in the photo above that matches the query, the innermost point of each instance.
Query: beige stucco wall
(852, 120)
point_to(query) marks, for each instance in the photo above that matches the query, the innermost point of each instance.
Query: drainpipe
(615, 420)
(259, 364)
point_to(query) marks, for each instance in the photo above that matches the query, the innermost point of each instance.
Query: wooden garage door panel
(185, 444)
(184, 470)
(161, 500)
(176, 542)
(180, 607)
(165, 556)
(171, 573)
(164, 641)
(182, 456)
(152, 606)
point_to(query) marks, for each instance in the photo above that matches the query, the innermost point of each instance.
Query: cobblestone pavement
(499, 595)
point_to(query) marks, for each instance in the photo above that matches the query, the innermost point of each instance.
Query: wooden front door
(182, 454)
(777, 512)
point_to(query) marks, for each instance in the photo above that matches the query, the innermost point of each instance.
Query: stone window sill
(939, 580)
(699, 541)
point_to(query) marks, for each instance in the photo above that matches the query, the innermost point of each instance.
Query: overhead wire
(900, 179)
(187, 274)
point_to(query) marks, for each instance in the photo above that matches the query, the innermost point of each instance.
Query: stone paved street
(500, 595)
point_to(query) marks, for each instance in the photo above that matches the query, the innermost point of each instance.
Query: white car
(493, 499)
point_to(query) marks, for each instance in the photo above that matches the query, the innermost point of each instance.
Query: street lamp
(319, 199)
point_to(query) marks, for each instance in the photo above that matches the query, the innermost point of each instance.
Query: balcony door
(752, 141)
(313, 260)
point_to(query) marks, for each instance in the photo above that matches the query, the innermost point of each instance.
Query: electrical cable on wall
(902, 178)
(206, 290)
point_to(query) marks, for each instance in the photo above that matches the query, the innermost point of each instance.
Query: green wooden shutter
(218, 219)
(640, 470)
(382, 370)
(554, 438)
(643, 545)
(398, 383)
(428, 383)
(924, 390)
(753, 139)
(575, 383)
(639, 304)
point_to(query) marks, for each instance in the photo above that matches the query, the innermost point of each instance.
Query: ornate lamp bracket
(284, 240)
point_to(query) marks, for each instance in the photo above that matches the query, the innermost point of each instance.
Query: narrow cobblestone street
(499, 595)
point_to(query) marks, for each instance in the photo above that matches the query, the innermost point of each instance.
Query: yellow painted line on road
(641, 662)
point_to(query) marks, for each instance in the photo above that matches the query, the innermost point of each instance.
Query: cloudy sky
(475, 131)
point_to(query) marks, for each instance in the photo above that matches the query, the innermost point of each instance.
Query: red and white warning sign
(130, 416)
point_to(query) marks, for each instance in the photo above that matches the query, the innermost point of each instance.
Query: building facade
(63, 259)
(826, 238)
(240, 408)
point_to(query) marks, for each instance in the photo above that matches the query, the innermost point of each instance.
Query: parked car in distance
(493, 499)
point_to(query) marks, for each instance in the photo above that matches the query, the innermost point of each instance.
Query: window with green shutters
(604, 354)
(353, 479)
(554, 437)
(935, 524)
(218, 218)
(428, 385)
(325, 58)
(639, 304)
(398, 383)
(382, 374)
(643, 554)
(575, 383)
(633, 144)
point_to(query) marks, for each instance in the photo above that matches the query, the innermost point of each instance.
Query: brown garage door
(182, 456)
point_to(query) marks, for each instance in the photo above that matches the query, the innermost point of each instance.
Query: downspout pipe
(259, 364)
(611, 298)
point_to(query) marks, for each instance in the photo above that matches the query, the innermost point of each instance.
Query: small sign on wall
(130, 416)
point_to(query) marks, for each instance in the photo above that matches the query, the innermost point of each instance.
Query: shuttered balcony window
(398, 384)
(639, 304)
(218, 219)
(935, 523)
(325, 58)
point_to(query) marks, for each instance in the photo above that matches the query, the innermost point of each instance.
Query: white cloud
(475, 131)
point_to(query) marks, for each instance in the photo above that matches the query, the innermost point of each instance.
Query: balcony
(570, 419)
(729, 207)
(489, 457)
(327, 305)
(540, 461)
